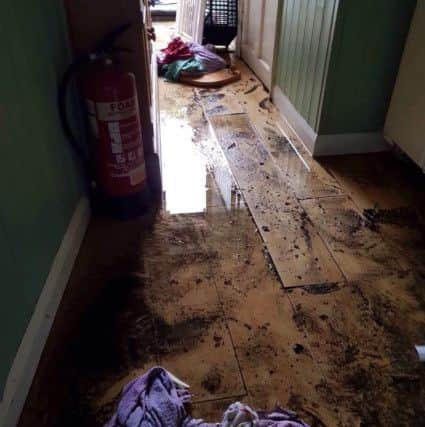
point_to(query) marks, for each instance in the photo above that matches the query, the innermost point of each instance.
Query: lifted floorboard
(305, 176)
(298, 253)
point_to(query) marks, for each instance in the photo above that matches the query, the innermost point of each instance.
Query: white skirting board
(28, 356)
(327, 145)
(298, 123)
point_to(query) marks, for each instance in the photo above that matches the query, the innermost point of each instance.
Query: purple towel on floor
(156, 400)
(210, 60)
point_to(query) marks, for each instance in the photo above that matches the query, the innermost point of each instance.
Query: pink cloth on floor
(176, 49)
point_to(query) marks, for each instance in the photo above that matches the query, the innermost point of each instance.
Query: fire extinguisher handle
(108, 41)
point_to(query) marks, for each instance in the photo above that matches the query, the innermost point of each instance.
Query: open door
(190, 19)
(259, 20)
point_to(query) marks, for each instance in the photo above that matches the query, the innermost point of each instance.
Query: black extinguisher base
(123, 207)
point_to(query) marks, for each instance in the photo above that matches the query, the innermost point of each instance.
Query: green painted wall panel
(39, 180)
(305, 39)
(368, 43)
(305, 54)
(298, 48)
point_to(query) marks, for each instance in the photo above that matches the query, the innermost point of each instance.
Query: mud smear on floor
(404, 216)
(305, 321)
(352, 222)
(396, 392)
(298, 404)
(214, 97)
(121, 333)
(259, 350)
(307, 181)
(216, 110)
(348, 232)
(264, 104)
(321, 288)
(382, 400)
(252, 89)
(303, 226)
(279, 144)
(182, 336)
(213, 104)
(212, 380)
(377, 398)
(207, 91)
(376, 375)
(396, 318)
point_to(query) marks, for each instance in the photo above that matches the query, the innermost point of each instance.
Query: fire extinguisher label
(115, 135)
(127, 160)
(114, 111)
(119, 147)
(137, 175)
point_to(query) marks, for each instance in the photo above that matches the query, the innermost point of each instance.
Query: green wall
(368, 43)
(305, 39)
(39, 181)
(337, 60)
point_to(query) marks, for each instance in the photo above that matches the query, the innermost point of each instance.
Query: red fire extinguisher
(117, 161)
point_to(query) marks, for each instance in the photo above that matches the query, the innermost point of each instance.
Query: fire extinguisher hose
(104, 47)
(63, 110)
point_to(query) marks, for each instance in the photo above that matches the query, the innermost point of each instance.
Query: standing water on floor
(188, 287)
(184, 168)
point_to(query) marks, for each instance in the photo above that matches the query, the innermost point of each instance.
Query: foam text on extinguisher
(113, 111)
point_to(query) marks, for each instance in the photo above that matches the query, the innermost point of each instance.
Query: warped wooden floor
(266, 276)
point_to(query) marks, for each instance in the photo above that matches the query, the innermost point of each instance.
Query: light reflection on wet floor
(195, 173)
(184, 169)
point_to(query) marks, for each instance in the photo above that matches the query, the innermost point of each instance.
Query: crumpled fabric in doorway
(158, 399)
(176, 49)
(173, 70)
(207, 57)
(189, 57)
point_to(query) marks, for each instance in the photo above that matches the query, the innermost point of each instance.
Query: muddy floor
(192, 285)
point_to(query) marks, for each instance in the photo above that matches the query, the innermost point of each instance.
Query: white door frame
(194, 33)
(252, 54)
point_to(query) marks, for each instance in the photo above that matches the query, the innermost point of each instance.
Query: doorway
(258, 22)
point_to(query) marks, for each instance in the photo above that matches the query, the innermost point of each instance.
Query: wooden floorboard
(298, 253)
(200, 294)
(275, 357)
(355, 244)
(374, 343)
(392, 196)
(305, 176)
(192, 338)
(218, 102)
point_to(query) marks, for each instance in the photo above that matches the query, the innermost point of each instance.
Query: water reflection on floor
(194, 293)
(184, 168)
(184, 165)
(194, 172)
